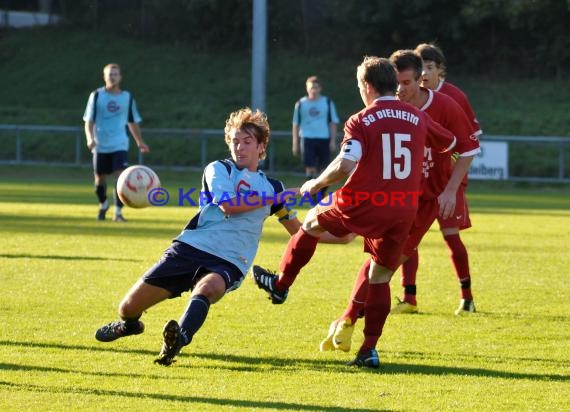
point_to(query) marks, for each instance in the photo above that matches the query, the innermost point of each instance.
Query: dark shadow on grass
(392, 368)
(244, 364)
(29, 256)
(51, 369)
(80, 226)
(260, 364)
(177, 398)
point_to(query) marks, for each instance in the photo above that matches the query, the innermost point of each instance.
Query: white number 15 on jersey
(403, 168)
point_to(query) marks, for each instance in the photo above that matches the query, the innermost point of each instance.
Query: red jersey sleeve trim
(451, 146)
(470, 153)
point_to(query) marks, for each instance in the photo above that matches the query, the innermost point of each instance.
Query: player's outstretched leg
(119, 329)
(266, 280)
(171, 345)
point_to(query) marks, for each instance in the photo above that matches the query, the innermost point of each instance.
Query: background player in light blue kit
(109, 112)
(314, 128)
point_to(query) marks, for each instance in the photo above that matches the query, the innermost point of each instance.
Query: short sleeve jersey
(457, 94)
(111, 112)
(444, 110)
(314, 116)
(392, 135)
(234, 238)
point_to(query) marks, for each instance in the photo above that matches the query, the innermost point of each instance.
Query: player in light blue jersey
(109, 112)
(215, 250)
(314, 129)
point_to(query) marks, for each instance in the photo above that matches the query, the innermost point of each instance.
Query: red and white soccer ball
(134, 185)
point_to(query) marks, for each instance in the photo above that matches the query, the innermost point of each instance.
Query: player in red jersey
(433, 77)
(382, 156)
(441, 187)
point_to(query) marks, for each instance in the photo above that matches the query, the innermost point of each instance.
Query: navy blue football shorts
(182, 266)
(316, 152)
(107, 163)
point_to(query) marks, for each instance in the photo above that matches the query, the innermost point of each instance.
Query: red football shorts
(385, 251)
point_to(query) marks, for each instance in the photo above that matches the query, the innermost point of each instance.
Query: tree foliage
(515, 37)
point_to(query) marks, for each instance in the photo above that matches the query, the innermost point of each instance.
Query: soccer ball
(134, 185)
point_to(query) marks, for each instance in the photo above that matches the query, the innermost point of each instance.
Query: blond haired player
(215, 250)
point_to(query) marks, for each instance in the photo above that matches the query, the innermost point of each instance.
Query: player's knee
(125, 311)
(379, 274)
(128, 308)
(212, 290)
(381, 277)
(311, 224)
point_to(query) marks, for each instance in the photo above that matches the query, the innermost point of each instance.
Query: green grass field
(63, 274)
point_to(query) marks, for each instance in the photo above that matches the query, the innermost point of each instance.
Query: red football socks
(377, 309)
(358, 296)
(300, 250)
(409, 272)
(460, 260)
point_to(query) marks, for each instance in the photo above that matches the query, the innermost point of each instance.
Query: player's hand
(446, 202)
(295, 149)
(143, 148)
(310, 186)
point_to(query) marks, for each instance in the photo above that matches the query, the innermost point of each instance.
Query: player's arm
(137, 135)
(296, 129)
(447, 198)
(89, 135)
(295, 139)
(467, 147)
(340, 168)
(332, 134)
(89, 119)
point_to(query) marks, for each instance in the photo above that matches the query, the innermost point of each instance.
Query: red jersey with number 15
(444, 110)
(392, 135)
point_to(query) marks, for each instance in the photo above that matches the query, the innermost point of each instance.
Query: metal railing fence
(530, 158)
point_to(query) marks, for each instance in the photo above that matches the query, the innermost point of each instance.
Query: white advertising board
(492, 163)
